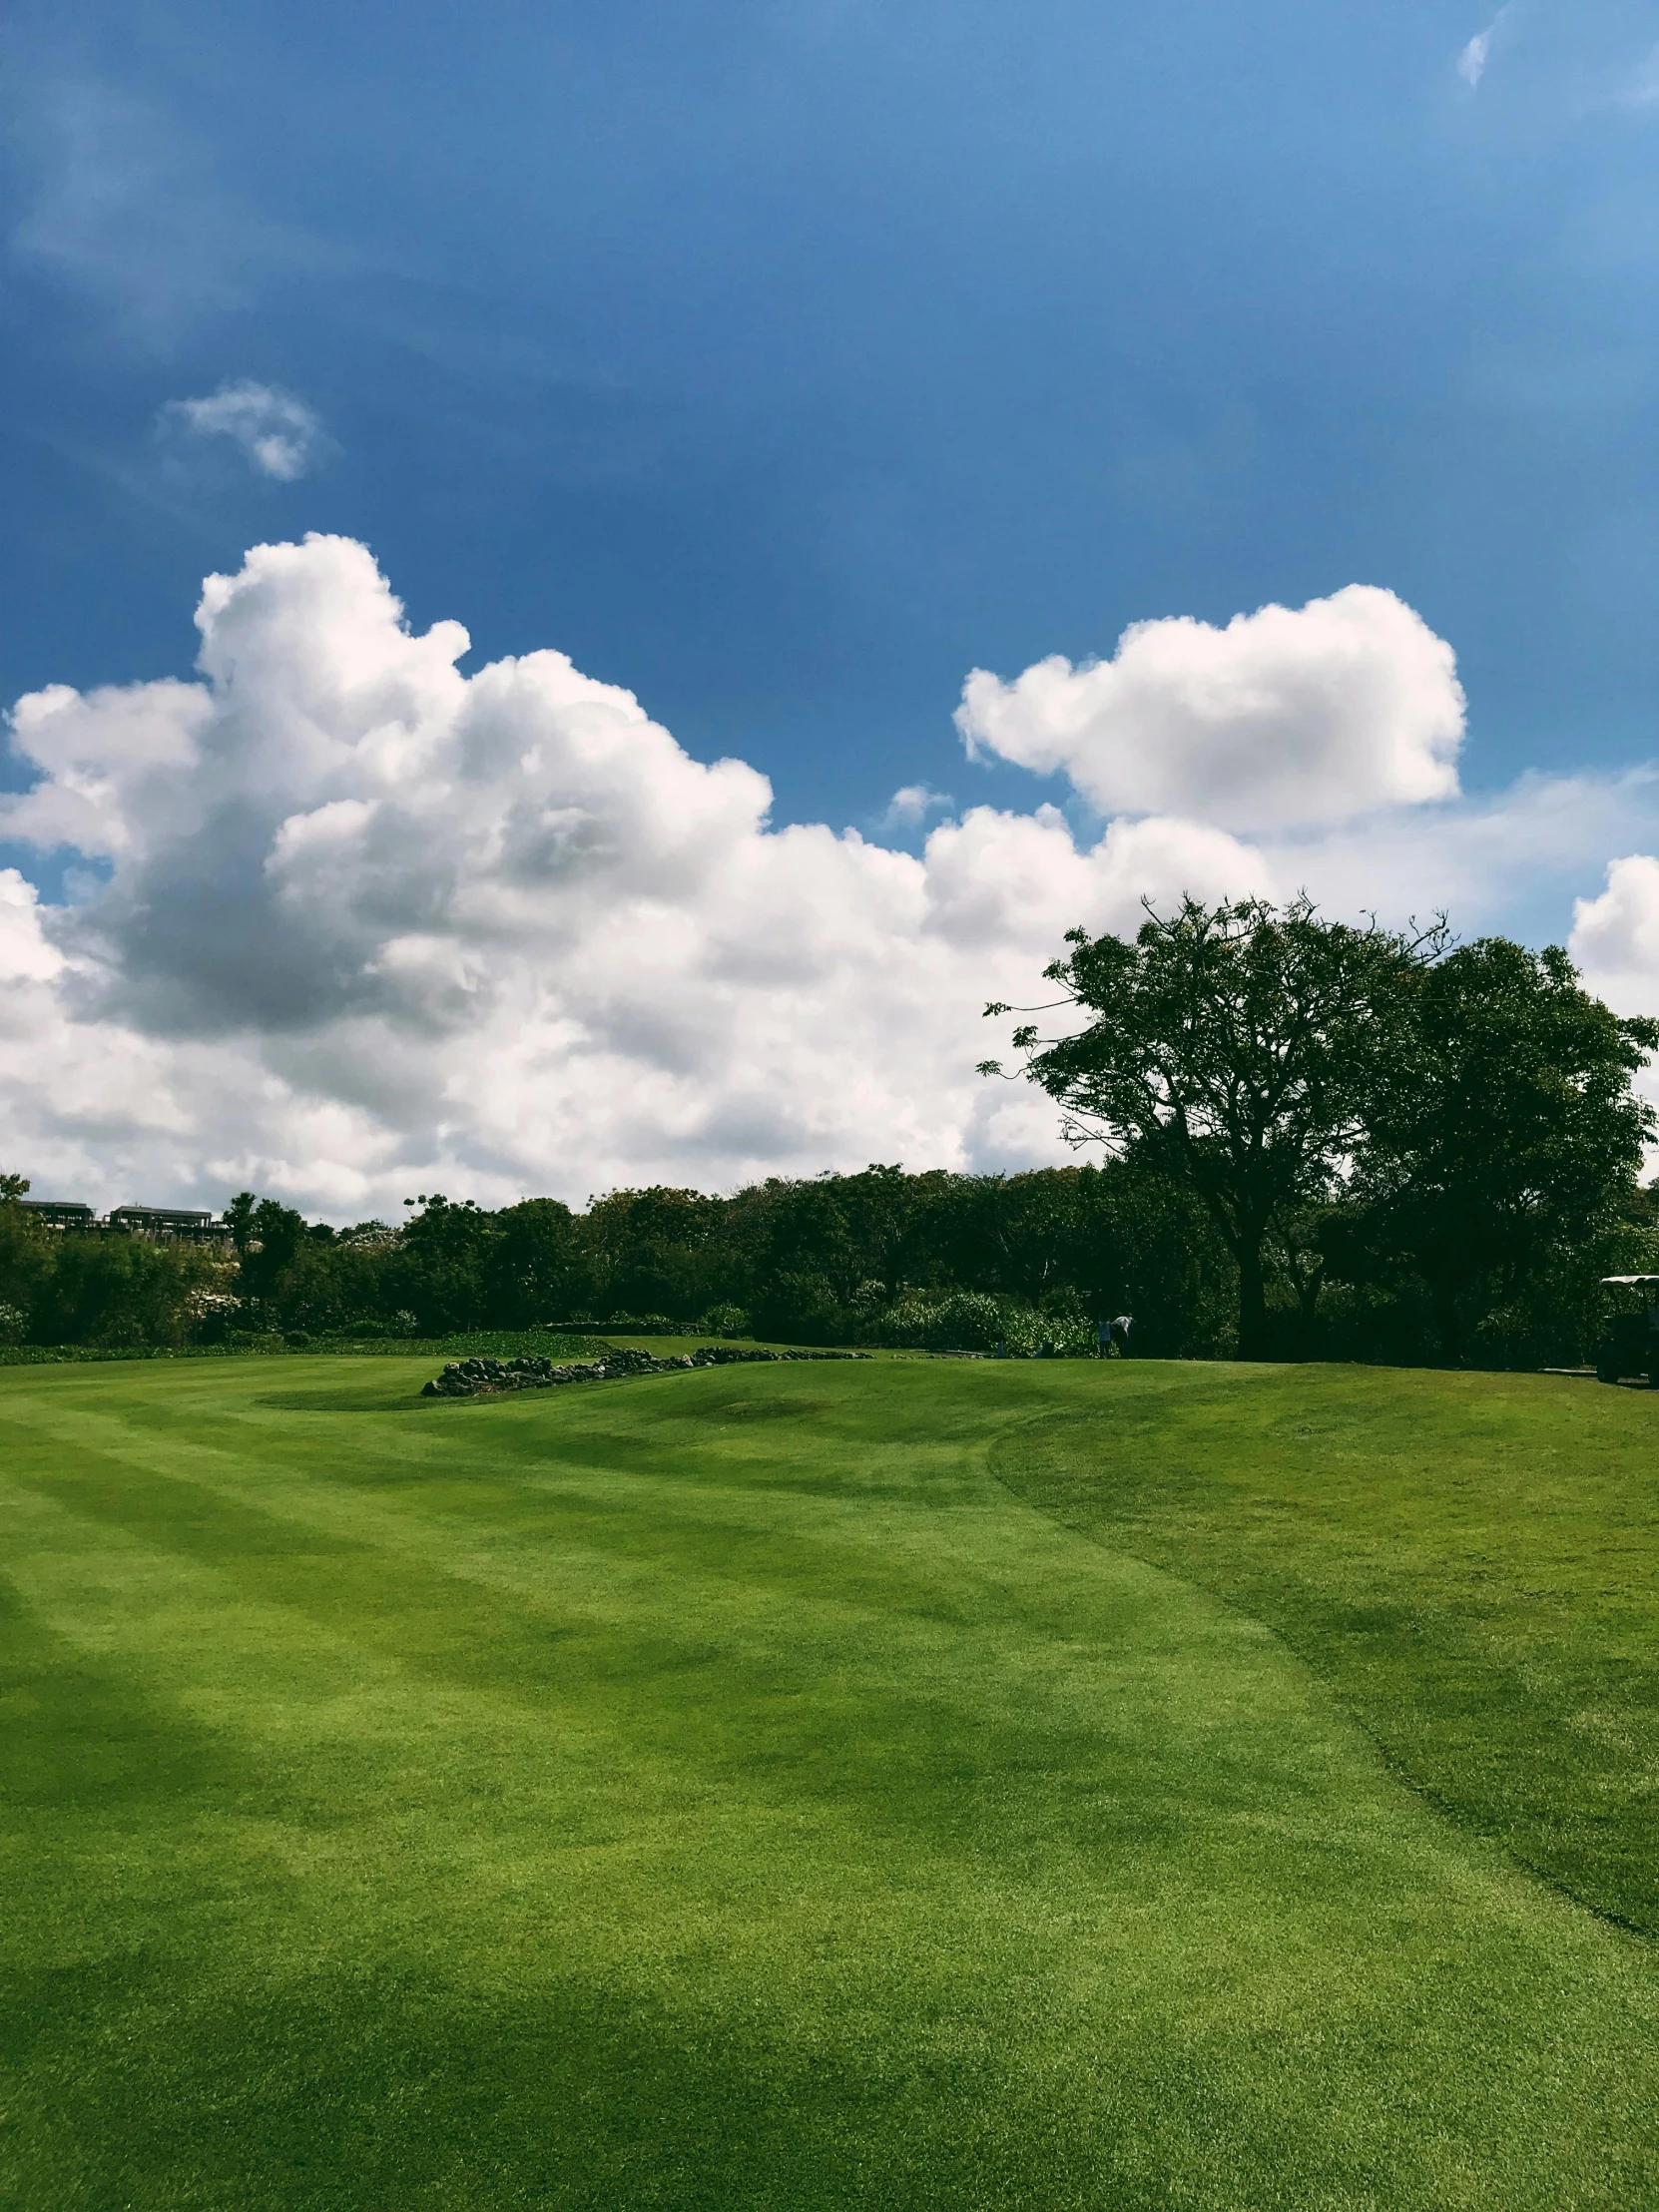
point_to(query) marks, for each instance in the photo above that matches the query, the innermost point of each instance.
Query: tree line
(927, 1259)
(1304, 1140)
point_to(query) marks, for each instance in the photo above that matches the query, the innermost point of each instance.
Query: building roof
(160, 1213)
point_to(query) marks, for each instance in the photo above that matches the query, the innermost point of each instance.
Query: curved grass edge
(1445, 1703)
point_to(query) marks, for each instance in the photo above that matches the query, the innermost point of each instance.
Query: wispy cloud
(1471, 62)
(1641, 88)
(282, 436)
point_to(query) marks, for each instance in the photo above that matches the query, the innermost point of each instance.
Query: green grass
(898, 1785)
(1469, 1561)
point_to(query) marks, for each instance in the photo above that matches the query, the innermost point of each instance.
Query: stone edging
(484, 1378)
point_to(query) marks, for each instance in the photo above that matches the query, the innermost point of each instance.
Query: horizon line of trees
(931, 1258)
(1319, 1142)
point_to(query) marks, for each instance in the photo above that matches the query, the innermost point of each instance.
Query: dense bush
(960, 1320)
(800, 1306)
(121, 1291)
(723, 1320)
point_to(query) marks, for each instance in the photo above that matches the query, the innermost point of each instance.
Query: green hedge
(970, 1321)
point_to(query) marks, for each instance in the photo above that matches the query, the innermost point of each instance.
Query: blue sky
(784, 362)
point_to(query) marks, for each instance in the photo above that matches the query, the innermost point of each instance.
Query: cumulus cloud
(1615, 943)
(281, 436)
(368, 921)
(1285, 717)
(365, 924)
(1615, 938)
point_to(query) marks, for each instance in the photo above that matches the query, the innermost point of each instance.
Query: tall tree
(536, 1270)
(1508, 1138)
(443, 1260)
(1235, 1047)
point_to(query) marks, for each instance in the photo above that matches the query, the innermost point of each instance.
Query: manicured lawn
(1471, 1563)
(781, 1789)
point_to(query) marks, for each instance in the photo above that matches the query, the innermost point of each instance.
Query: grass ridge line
(1459, 1818)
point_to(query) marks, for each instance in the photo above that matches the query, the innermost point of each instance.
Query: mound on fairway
(772, 1789)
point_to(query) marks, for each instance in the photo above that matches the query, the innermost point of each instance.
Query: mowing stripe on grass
(723, 1794)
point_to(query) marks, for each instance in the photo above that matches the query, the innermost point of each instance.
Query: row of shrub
(834, 1259)
(936, 1321)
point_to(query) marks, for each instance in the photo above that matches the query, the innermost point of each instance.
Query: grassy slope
(1471, 1562)
(720, 1791)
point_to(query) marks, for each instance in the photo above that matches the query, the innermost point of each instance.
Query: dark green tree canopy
(1240, 1047)
(1507, 1130)
(1452, 1125)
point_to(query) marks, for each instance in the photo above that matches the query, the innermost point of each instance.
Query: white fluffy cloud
(366, 925)
(1285, 717)
(1615, 943)
(281, 436)
(1615, 938)
(369, 923)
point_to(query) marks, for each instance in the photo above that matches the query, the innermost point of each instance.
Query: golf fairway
(780, 1789)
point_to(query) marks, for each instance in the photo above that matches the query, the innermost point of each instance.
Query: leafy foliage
(121, 1291)
(1398, 1144)
(1496, 1157)
(1239, 1047)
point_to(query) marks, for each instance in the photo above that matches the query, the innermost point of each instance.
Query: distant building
(164, 1224)
(156, 1224)
(55, 1213)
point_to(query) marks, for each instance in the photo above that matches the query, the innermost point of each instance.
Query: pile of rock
(490, 1378)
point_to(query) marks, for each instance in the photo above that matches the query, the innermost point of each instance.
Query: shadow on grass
(750, 1410)
(350, 2094)
(382, 1399)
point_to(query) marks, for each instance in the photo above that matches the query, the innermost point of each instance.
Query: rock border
(484, 1378)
